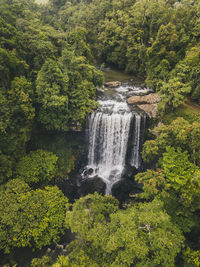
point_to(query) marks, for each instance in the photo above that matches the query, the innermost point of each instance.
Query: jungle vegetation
(51, 56)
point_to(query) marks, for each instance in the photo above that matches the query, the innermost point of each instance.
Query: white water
(135, 159)
(109, 131)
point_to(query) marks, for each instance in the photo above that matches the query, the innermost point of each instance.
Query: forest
(52, 57)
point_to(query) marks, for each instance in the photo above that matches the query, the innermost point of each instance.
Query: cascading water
(108, 137)
(109, 133)
(135, 157)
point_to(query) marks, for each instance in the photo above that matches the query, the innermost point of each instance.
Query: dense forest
(51, 61)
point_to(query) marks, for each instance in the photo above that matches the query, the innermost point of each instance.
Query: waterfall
(108, 137)
(135, 159)
(109, 134)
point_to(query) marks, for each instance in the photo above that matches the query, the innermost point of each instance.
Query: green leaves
(180, 133)
(30, 218)
(38, 168)
(139, 235)
(52, 87)
(177, 168)
(173, 93)
(66, 90)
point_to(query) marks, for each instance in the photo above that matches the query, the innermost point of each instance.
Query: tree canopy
(50, 56)
(30, 218)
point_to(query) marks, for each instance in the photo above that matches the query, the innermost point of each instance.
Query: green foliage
(6, 164)
(83, 78)
(46, 79)
(80, 258)
(37, 168)
(30, 218)
(180, 133)
(45, 261)
(191, 258)
(77, 39)
(183, 176)
(64, 146)
(173, 93)
(66, 91)
(177, 184)
(112, 237)
(154, 184)
(177, 167)
(17, 114)
(150, 151)
(10, 66)
(52, 86)
(192, 60)
(90, 210)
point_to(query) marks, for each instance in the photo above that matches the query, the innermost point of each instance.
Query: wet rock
(91, 185)
(125, 188)
(112, 84)
(69, 188)
(122, 189)
(87, 172)
(100, 90)
(129, 171)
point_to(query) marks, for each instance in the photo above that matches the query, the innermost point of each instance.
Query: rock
(100, 90)
(146, 103)
(150, 109)
(68, 188)
(112, 84)
(123, 188)
(145, 99)
(91, 185)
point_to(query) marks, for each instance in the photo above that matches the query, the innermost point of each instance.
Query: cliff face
(147, 103)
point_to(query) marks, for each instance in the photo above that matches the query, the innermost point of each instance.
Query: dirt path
(192, 106)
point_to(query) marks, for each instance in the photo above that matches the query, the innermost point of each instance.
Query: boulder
(150, 109)
(145, 99)
(146, 103)
(112, 84)
(91, 185)
(124, 188)
(69, 189)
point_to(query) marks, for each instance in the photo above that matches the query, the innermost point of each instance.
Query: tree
(177, 167)
(37, 168)
(154, 184)
(52, 87)
(77, 39)
(191, 257)
(173, 93)
(183, 177)
(112, 237)
(177, 184)
(17, 114)
(6, 171)
(66, 91)
(83, 80)
(30, 218)
(180, 133)
(10, 66)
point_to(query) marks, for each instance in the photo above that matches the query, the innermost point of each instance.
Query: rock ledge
(145, 99)
(147, 103)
